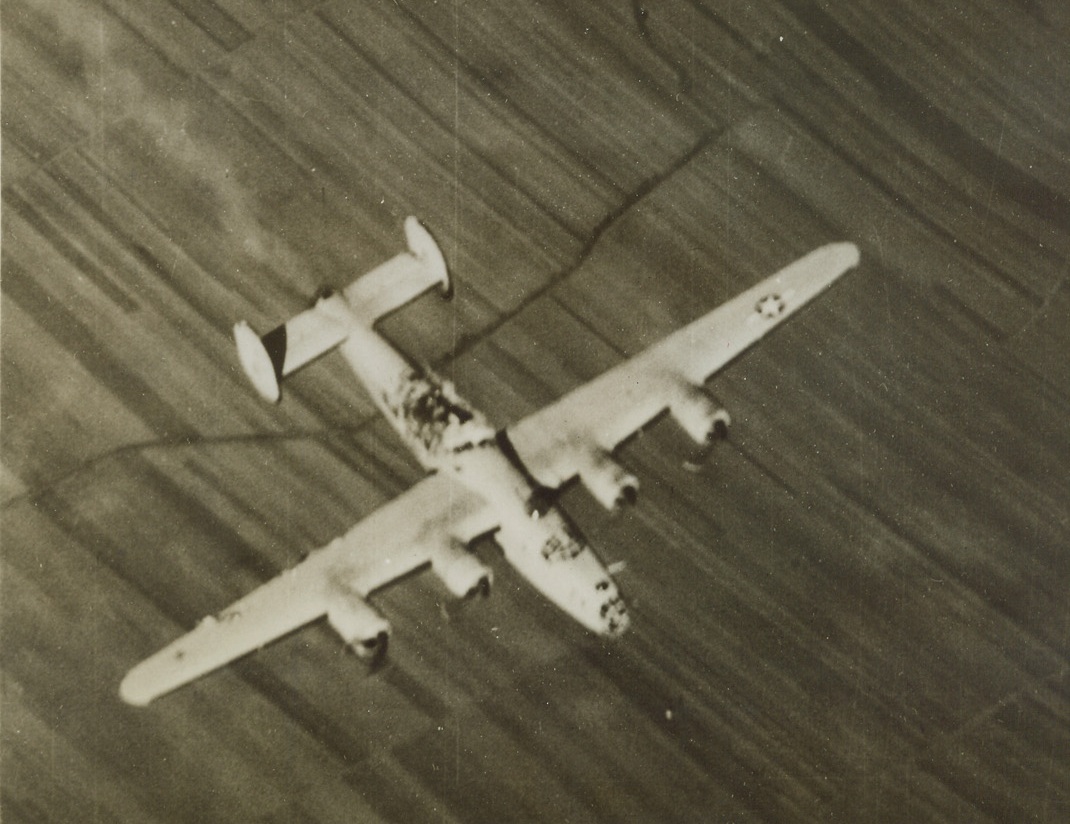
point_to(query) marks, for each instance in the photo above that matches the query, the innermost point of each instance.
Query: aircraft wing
(410, 531)
(567, 437)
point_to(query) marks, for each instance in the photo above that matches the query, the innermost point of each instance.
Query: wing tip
(133, 690)
(846, 254)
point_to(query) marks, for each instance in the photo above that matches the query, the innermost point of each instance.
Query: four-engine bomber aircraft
(480, 480)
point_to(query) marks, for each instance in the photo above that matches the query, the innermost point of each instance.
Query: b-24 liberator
(481, 480)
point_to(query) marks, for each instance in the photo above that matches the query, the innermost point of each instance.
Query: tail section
(269, 358)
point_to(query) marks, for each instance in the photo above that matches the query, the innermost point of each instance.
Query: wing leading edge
(562, 439)
(403, 535)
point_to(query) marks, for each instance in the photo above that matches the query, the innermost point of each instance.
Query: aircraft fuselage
(447, 435)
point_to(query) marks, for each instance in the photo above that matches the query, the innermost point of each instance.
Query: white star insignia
(770, 306)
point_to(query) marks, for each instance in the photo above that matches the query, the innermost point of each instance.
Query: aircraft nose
(617, 624)
(614, 616)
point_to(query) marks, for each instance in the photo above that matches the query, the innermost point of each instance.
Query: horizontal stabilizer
(267, 359)
(401, 279)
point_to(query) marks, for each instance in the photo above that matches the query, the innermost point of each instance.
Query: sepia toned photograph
(457, 412)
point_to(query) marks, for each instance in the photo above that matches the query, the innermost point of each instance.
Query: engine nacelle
(361, 626)
(611, 484)
(464, 575)
(702, 419)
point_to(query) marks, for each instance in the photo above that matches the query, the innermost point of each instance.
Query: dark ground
(856, 611)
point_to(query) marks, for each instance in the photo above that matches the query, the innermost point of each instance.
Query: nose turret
(617, 620)
(613, 617)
